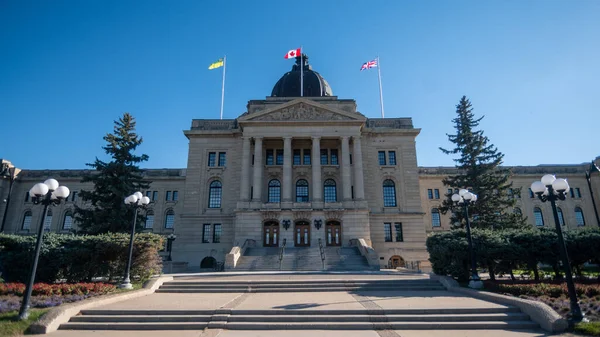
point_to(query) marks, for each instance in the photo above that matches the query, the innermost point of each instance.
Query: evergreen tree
(104, 209)
(479, 170)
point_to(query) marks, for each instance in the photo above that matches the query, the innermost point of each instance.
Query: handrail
(281, 252)
(322, 251)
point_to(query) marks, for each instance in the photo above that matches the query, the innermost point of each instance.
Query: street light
(588, 175)
(466, 198)
(170, 238)
(48, 193)
(550, 188)
(135, 200)
(7, 170)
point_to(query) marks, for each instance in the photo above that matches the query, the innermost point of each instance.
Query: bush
(61, 289)
(79, 258)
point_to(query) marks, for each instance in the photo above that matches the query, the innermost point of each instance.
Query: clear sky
(69, 68)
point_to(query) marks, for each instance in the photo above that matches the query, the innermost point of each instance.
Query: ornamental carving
(301, 215)
(334, 215)
(270, 215)
(301, 111)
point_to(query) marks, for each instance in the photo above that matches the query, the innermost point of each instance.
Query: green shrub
(79, 258)
(588, 328)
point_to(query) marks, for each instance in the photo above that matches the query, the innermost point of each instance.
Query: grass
(11, 326)
(588, 328)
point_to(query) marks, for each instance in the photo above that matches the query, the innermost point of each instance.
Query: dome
(289, 84)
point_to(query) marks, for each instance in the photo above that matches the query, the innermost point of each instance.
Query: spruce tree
(103, 207)
(479, 170)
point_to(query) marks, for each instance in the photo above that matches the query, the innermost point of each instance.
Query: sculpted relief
(301, 112)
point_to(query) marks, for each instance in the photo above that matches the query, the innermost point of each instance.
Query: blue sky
(69, 68)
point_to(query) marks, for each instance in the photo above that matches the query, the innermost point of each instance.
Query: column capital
(345, 137)
(315, 137)
(257, 138)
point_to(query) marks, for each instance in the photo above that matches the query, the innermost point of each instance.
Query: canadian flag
(293, 53)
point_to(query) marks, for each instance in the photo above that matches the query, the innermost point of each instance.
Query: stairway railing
(322, 251)
(281, 252)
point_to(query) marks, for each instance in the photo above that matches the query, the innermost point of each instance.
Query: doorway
(302, 234)
(333, 230)
(271, 234)
(396, 261)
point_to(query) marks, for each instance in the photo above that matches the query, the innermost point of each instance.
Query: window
(154, 195)
(306, 159)
(68, 221)
(399, 234)
(329, 191)
(531, 193)
(539, 219)
(517, 210)
(168, 196)
(450, 192)
(48, 221)
(74, 196)
(214, 196)
(577, 192)
(572, 190)
(279, 158)
(334, 157)
(436, 193)
(579, 219)
(297, 157)
(175, 195)
(169, 219)
(382, 158)
(389, 193)
(222, 160)
(212, 156)
(26, 196)
(149, 220)
(302, 190)
(392, 157)
(274, 191)
(429, 193)
(435, 218)
(561, 218)
(206, 233)
(217, 234)
(269, 160)
(149, 194)
(26, 221)
(324, 160)
(387, 228)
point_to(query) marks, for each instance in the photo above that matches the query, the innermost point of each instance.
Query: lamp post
(48, 193)
(552, 189)
(588, 175)
(466, 198)
(136, 200)
(170, 238)
(9, 171)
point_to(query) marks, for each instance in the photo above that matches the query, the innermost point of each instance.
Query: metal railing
(322, 251)
(281, 252)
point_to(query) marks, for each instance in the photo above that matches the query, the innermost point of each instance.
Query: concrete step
(134, 326)
(290, 290)
(145, 312)
(394, 281)
(140, 318)
(382, 318)
(381, 326)
(298, 284)
(428, 311)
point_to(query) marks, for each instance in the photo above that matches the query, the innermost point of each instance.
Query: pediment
(302, 110)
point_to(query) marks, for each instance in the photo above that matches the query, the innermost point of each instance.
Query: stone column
(245, 186)
(287, 169)
(346, 177)
(317, 189)
(359, 180)
(258, 169)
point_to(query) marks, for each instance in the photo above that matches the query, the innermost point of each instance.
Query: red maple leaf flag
(293, 53)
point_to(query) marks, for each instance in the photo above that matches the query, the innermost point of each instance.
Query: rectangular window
(392, 157)
(279, 158)
(74, 196)
(350, 158)
(306, 159)
(387, 228)
(297, 157)
(450, 191)
(381, 158)
(572, 190)
(323, 156)
(175, 195)
(149, 194)
(352, 191)
(429, 193)
(270, 160)
(222, 160)
(436, 193)
(212, 157)
(399, 233)
(168, 196)
(149, 221)
(68, 223)
(531, 193)
(334, 157)
(154, 195)
(26, 196)
(217, 234)
(435, 218)
(577, 192)
(206, 233)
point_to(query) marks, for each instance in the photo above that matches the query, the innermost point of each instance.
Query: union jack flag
(369, 65)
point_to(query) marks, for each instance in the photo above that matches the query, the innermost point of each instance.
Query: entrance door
(302, 234)
(334, 233)
(271, 234)
(396, 261)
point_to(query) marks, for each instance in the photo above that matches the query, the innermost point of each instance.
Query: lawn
(11, 326)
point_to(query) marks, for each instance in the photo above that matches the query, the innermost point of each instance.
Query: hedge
(502, 251)
(79, 258)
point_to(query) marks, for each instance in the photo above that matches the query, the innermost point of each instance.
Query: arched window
(561, 218)
(68, 221)
(274, 191)
(329, 191)
(579, 217)
(539, 219)
(149, 220)
(435, 218)
(169, 219)
(389, 193)
(48, 220)
(302, 190)
(214, 197)
(26, 221)
(517, 211)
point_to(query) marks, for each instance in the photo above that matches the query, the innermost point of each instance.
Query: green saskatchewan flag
(216, 65)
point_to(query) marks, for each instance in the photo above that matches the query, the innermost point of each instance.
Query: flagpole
(223, 86)
(380, 90)
(301, 73)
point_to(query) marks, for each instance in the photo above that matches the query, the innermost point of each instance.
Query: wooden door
(302, 234)
(271, 234)
(333, 231)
